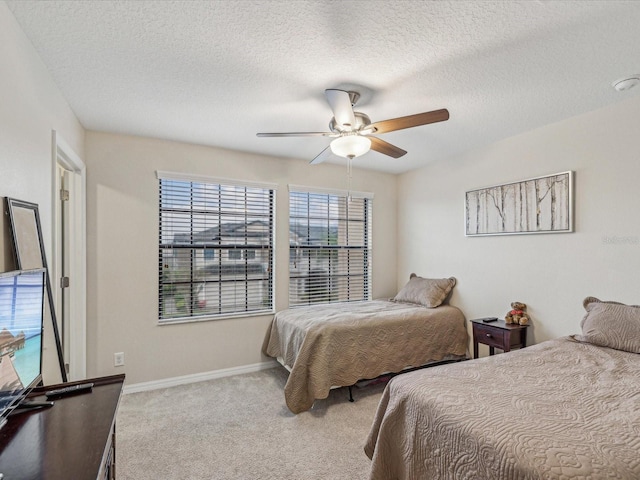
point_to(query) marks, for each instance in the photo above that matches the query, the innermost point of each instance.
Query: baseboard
(197, 377)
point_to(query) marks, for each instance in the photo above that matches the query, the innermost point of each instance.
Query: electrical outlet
(118, 359)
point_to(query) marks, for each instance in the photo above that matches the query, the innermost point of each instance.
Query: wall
(31, 106)
(122, 244)
(551, 273)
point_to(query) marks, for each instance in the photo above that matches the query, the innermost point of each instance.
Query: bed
(340, 344)
(567, 408)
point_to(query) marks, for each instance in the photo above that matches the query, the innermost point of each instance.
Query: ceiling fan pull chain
(349, 175)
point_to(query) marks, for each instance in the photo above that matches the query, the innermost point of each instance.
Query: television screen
(21, 327)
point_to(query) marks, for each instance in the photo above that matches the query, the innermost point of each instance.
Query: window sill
(209, 318)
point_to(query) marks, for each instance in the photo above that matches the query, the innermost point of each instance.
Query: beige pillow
(430, 292)
(611, 324)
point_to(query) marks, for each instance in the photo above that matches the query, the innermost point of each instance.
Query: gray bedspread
(339, 344)
(557, 410)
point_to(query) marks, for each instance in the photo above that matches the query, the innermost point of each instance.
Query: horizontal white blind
(215, 249)
(196, 178)
(330, 191)
(329, 248)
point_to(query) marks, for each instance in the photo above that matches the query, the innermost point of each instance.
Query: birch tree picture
(537, 205)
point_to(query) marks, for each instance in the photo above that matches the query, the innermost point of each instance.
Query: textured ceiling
(217, 72)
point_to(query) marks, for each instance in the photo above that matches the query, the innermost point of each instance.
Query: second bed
(340, 344)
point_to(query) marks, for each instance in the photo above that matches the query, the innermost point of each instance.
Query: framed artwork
(30, 253)
(537, 205)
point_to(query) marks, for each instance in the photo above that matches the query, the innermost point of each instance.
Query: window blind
(329, 247)
(215, 249)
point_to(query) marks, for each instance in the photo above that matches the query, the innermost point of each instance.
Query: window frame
(323, 250)
(221, 256)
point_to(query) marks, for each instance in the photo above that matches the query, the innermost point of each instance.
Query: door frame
(63, 155)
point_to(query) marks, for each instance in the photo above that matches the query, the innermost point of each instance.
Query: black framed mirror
(29, 253)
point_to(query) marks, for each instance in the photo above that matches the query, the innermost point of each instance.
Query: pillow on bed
(611, 324)
(429, 292)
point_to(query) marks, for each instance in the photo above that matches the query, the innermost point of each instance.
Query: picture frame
(535, 205)
(26, 231)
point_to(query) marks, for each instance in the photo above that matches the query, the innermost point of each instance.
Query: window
(329, 246)
(205, 225)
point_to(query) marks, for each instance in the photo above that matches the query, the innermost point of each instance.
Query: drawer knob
(488, 335)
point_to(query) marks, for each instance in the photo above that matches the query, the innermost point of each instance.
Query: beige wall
(31, 106)
(122, 244)
(551, 273)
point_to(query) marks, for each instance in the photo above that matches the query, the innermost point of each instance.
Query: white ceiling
(217, 72)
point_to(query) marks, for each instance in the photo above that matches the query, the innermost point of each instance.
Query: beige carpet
(240, 428)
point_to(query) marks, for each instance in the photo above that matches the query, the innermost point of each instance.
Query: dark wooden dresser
(72, 440)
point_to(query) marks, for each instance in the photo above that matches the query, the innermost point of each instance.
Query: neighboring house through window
(215, 247)
(329, 246)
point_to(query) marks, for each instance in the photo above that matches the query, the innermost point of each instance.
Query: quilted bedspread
(339, 344)
(557, 410)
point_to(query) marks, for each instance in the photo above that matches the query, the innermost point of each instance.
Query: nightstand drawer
(490, 336)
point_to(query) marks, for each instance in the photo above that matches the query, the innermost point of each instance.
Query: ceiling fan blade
(385, 147)
(340, 104)
(322, 156)
(411, 121)
(299, 134)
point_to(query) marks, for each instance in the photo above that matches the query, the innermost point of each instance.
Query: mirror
(29, 251)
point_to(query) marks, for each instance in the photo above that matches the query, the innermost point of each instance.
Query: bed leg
(350, 394)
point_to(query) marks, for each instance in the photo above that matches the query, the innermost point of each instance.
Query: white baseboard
(197, 377)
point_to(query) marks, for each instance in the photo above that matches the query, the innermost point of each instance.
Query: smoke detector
(626, 83)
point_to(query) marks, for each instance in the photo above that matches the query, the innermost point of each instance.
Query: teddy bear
(517, 314)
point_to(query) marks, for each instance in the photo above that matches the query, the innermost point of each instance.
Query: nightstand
(498, 334)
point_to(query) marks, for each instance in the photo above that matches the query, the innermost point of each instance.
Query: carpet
(240, 428)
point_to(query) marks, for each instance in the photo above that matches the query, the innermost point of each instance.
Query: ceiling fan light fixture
(350, 146)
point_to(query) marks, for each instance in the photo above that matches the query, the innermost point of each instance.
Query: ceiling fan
(353, 131)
